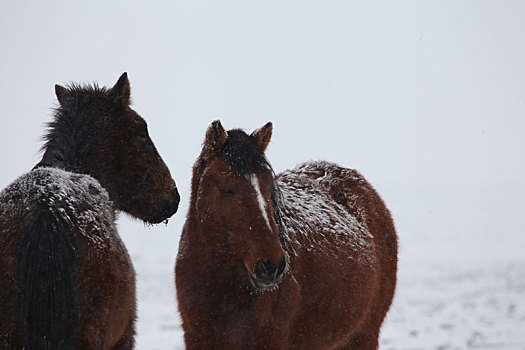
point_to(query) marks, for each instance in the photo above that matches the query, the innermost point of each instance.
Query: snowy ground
(455, 291)
(461, 281)
(458, 308)
(436, 307)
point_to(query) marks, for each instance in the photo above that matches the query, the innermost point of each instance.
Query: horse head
(96, 132)
(234, 201)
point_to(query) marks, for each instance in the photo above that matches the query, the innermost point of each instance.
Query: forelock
(243, 154)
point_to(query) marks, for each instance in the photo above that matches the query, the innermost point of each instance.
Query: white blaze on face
(260, 199)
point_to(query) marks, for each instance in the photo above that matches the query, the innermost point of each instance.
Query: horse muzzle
(267, 274)
(167, 208)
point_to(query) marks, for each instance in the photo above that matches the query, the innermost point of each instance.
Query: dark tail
(46, 252)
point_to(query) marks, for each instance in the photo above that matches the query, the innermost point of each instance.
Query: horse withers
(303, 260)
(66, 279)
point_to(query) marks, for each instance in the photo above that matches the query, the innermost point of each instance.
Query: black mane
(69, 135)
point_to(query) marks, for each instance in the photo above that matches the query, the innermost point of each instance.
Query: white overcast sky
(414, 94)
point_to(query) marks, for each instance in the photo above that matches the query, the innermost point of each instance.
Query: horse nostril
(269, 271)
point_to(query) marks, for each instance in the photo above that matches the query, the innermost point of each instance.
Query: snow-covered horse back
(66, 280)
(303, 260)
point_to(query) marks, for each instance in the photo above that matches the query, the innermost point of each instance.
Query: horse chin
(150, 221)
(262, 286)
(162, 216)
(159, 212)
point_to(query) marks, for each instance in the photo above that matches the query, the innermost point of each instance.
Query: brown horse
(303, 260)
(66, 280)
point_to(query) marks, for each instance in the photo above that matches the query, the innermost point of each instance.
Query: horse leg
(127, 341)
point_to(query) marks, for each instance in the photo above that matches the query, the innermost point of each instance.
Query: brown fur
(98, 158)
(340, 280)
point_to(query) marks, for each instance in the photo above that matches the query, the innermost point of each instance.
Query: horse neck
(70, 144)
(56, 157)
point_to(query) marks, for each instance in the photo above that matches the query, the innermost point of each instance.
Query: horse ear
(62, 93)
(121, 90)
(263, 135)
(215, 137)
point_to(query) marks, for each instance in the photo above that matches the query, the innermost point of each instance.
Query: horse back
(58, 243)
(343, 252)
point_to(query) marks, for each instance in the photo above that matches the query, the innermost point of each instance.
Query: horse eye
(226, 191)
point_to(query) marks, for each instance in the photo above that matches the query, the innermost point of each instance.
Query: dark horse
(303, 260)
(66, 280)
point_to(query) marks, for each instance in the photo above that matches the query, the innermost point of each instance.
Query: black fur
(243, 153)
(72, 135)
(46, 254)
